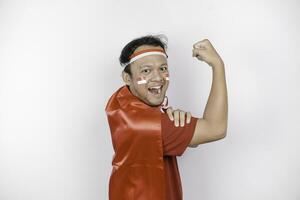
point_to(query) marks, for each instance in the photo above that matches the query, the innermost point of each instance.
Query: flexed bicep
(205, 132)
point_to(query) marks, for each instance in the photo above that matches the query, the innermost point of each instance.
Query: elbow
(221, 134)
(224, 133)
(222, 130)
(219, 129)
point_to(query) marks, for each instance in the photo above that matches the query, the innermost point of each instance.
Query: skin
(154, 69)
(213, 125)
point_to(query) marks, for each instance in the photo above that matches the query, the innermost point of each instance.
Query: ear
(126, 78)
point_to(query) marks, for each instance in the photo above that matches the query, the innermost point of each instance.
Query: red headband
(144, 51)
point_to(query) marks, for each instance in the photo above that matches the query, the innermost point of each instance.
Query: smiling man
(146, 135)
(147, 79)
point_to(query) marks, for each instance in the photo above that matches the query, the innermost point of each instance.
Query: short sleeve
(176, 139)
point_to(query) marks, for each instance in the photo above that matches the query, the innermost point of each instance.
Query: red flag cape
(138, 165)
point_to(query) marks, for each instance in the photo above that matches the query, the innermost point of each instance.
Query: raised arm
(213, 125)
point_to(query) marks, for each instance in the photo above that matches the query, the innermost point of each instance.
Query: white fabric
(143, 55)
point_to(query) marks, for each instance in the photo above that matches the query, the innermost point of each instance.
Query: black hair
(154, 40)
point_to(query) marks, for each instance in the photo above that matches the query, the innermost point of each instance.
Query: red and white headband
(143, 53)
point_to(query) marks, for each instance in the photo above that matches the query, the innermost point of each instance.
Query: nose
(157, 76)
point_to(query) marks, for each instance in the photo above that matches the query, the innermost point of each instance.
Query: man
(145, 140)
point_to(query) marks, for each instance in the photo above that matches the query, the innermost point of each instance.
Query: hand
(205, 51)
(179, 116)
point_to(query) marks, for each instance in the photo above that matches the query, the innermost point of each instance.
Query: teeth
(155, 90)
(156, 87)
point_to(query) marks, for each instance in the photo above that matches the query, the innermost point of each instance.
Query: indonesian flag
(141, 80)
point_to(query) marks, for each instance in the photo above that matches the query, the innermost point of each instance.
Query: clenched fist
(204, 51)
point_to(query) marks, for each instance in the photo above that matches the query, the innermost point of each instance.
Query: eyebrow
(145, 65)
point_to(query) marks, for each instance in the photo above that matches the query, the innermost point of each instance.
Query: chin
(156, 103)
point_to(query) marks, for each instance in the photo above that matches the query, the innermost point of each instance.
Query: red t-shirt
(175, 141)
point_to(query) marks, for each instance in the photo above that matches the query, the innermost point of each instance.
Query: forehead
(150, 59)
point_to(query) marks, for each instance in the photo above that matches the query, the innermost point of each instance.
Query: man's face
(153, 69)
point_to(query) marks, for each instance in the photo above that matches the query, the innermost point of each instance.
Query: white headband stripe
(146, 54)
(143, 55)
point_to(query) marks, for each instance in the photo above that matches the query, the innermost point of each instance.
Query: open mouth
(155, 90)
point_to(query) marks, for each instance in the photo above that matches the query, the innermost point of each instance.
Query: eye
(164, 68)
(145, 71)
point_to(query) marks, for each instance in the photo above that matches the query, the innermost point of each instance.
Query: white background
(59, 65)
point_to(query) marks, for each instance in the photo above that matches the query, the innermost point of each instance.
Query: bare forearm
(216, 110)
